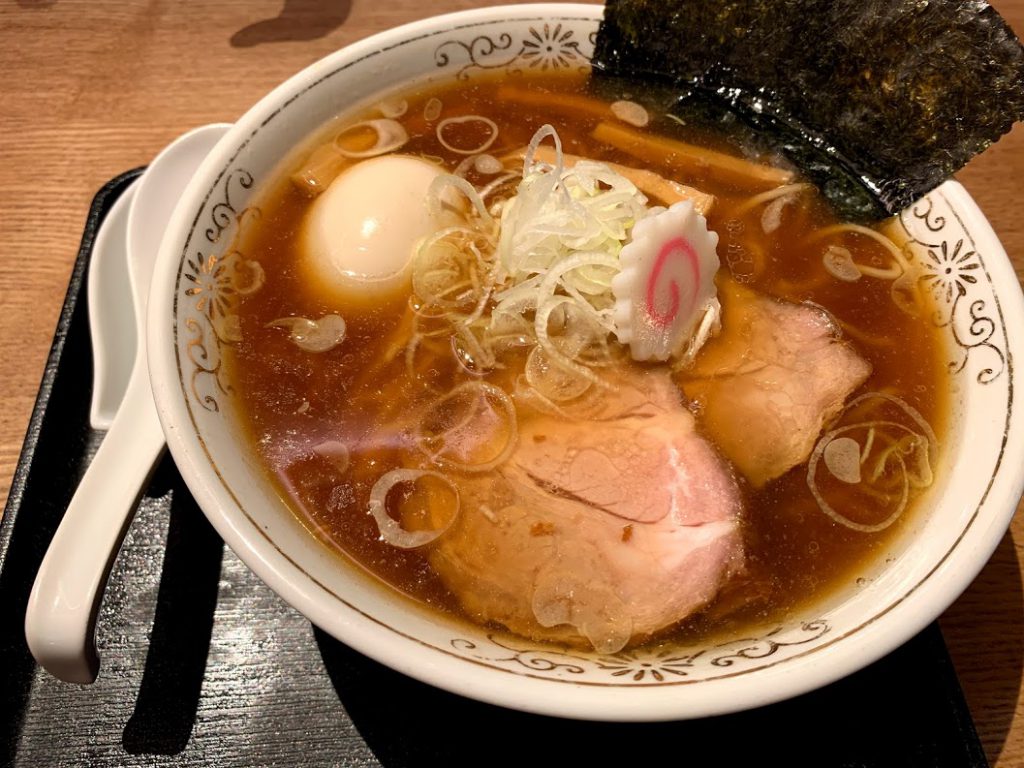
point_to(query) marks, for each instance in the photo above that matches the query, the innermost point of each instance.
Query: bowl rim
(883, 633)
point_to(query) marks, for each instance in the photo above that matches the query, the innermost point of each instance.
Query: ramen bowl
(968, 507)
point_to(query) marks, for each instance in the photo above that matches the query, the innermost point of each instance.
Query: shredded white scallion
(487, 164)
(391, 135)
(492, 133)
(436, 198)
(393, 108)
(335, 452)
(631, 112)
(533, 269)
(432, 109)
(482, 437)
(313, 335)
(390, 529)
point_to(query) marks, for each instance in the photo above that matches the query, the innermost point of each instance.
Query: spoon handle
(60, 621)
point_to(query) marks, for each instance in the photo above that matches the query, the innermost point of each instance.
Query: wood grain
(94, 87)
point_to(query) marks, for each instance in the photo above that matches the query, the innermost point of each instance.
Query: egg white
(356, 241)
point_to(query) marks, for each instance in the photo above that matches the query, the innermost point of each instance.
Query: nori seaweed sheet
(899, 94)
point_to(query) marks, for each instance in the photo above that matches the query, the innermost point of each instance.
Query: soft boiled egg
(357, 238)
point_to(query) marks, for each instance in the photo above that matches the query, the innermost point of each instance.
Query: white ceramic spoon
(60, 621)
(111, 318)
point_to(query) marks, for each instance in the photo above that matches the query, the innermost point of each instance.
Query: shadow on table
(168, 698)
(298, 20)
(992, 608)
(906, 710)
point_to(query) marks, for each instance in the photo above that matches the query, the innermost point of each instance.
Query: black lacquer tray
(203, 665)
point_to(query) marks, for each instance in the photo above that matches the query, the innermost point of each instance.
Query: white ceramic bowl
(915, 581)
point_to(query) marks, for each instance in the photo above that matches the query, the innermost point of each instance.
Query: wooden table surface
(90, 88)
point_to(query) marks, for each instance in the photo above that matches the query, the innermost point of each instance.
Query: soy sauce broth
(290, 401)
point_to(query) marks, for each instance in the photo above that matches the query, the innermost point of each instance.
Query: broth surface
(291, 401)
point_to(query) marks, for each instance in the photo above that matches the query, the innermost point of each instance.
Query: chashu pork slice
(598, 531)
(766, 386)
